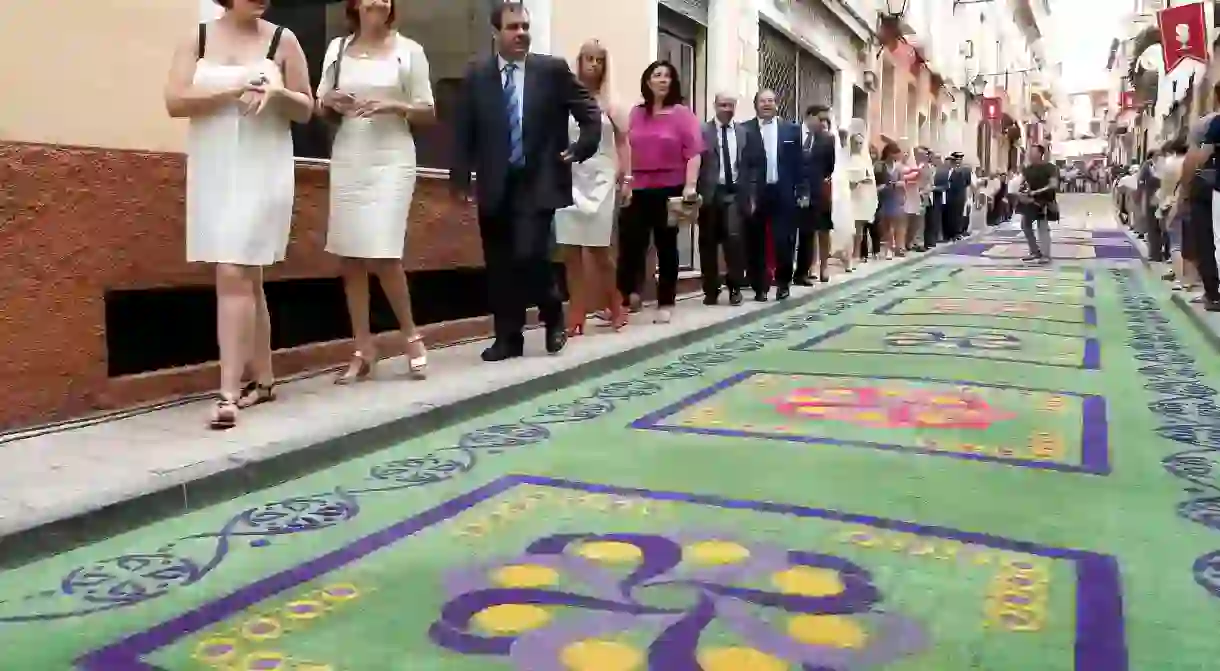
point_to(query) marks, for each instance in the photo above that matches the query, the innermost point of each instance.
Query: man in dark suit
(511, 127)
(773, 154)
(726, 188)
(813, 221)
(960, 179)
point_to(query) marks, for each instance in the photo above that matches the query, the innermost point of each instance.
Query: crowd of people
(563, 172)
(1167, 200)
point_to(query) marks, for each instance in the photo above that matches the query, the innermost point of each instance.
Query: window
(452, 32)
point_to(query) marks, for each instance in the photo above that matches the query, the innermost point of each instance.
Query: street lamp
(896, 8)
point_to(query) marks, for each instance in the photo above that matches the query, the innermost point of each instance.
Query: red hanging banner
(1183, 34)
(991, 109)
(1128, 100)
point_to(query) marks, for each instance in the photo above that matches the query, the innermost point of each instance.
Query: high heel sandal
(358, 369)
(418, 365)
(256, 393)
(576, 319)
(618, 314)
(224, 414)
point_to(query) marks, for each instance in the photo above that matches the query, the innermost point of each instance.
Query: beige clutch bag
(683, 212)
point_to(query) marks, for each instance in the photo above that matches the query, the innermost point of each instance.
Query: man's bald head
(726, 106)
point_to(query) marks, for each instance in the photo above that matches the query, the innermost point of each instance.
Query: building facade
(100, 309)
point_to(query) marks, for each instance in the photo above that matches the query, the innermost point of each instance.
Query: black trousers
(517, 256)
(1198, 225)
(1156, 240)
(770, 208)
(645, 221)
(955, 221)
(871, 240)
(933, 228)
(720, 229)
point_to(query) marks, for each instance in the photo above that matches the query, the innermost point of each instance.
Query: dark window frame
(311, 141)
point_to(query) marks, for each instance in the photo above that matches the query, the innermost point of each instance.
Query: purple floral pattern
(597, 600)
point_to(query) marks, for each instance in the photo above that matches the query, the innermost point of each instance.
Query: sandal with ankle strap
(256, 393)
(418, 365)
(358, 370)
(224, 414)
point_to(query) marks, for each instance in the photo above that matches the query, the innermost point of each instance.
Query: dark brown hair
(227, 4)
(672, 97)
(890, 149)
(498, 9)
(352, 11)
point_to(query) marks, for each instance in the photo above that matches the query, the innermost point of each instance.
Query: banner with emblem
(1183, 34)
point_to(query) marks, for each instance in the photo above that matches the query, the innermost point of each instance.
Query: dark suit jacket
(819, 165)
(710, 168)
(790, 162)
(481, 141)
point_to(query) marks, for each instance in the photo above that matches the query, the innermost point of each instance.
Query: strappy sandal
(418, 365)
(358, 370)
(224, 414)
(256, 393)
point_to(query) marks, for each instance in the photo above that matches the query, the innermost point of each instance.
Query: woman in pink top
(665, 149)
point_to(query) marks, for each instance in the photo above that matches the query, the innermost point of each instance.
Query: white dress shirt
(731, 128)
(518, 83)
(770, 137)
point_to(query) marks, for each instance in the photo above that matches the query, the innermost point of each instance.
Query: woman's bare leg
(898, 234)
(260, 354)
(393, 278)
(574, 271)
(823, 244)
(235, 325)
(356, 292)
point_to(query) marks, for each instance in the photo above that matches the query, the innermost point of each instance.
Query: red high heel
(576, 318)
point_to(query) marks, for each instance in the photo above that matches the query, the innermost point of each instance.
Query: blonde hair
(594, 48)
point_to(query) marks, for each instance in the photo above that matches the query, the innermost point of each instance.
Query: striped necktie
(516, 152)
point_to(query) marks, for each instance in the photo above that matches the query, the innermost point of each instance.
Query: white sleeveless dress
(589, 221)
(372, 165)
(239, 176)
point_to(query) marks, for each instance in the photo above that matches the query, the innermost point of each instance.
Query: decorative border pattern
(1100, 629)
(1094, 428)
(1186, 409)
(1088, 316)
(1089, 360)
(139, 576)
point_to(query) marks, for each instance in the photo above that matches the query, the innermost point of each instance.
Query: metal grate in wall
(815, 82)
(777, 56)
(798, 78)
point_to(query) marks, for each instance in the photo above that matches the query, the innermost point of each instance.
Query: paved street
(958, 462)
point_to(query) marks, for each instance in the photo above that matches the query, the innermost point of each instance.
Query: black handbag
(330, 117)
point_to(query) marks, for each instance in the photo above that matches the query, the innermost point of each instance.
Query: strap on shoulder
(275, 42)
(203, 41)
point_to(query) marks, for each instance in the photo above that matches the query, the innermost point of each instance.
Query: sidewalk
(56, 473)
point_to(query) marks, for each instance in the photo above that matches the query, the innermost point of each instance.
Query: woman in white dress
(382, 90)
(584, 230)
(861, 182)
(843, 241)
(240, 80)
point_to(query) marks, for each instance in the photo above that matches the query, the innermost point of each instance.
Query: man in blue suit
(773, 151)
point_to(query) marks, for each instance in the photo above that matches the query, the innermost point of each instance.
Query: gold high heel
(358, 369)
(418, 365)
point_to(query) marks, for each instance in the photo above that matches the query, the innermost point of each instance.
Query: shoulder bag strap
(203, 40)
(275, 42)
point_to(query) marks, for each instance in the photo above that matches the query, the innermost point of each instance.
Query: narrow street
(960, 463)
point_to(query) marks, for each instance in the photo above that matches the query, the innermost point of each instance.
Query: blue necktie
(516, 153)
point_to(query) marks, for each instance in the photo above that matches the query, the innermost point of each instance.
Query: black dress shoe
(556, 338)
(760, 296)
(734, 296)
(501, 350)
(782, 293)
(711, 299)
(803, 282)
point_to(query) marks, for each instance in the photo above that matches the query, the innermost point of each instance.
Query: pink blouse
(661, 145)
